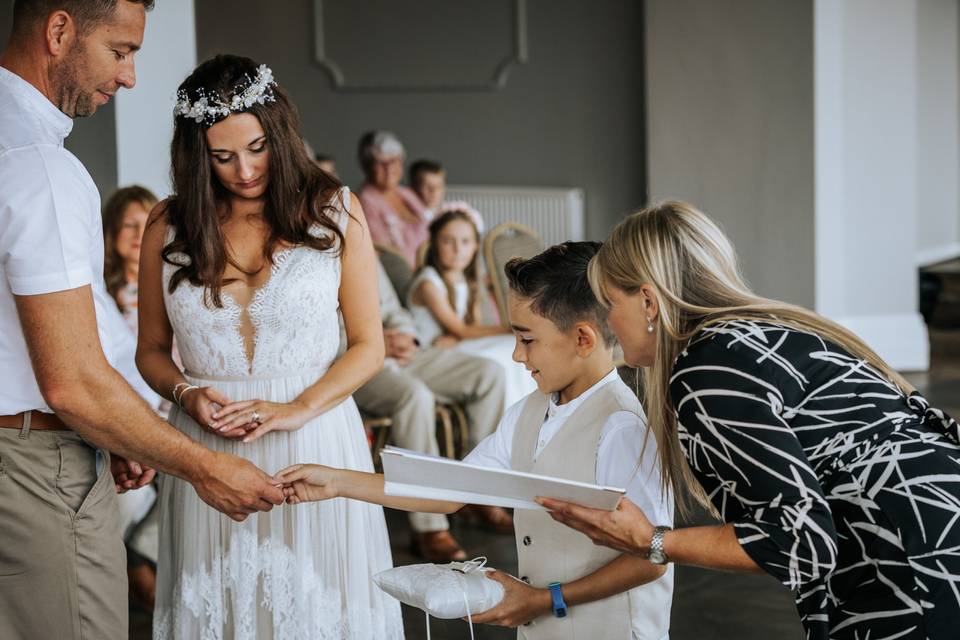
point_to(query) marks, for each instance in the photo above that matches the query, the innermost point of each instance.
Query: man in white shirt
(62, 405)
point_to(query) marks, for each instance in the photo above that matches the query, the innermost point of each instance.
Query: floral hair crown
(209, 107)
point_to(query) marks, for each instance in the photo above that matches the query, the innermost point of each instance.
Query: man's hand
(399, 345)
(128, 474)
(236, 487)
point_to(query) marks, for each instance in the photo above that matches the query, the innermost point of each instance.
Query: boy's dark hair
(421, 167)
(555, 282)
(87, 13)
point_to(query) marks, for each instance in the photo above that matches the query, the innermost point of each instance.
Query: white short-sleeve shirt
(51, 236)
(622, 459)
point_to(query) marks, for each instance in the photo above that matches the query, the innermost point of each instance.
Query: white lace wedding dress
(297, 571)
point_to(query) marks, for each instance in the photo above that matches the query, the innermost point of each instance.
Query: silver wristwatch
(657, 554)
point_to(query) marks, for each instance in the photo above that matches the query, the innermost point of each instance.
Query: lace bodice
(294, 316)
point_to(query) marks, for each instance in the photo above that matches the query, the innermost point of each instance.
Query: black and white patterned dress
(837, 484)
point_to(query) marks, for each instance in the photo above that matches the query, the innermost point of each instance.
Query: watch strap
(559, 605)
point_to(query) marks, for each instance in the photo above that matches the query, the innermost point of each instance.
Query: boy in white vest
(583, 423)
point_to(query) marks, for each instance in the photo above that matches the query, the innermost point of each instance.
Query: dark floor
(707, 604)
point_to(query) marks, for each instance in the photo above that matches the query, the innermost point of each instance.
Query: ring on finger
(254, 416)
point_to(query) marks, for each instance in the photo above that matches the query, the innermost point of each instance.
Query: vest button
(527, 541)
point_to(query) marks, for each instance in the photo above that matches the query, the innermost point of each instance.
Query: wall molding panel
(426, 45)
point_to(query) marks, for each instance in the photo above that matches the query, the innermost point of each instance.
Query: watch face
(657, 556)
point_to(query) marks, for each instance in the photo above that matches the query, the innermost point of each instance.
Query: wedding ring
(254, 417)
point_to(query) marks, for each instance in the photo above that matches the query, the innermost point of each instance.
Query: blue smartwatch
(559, 606)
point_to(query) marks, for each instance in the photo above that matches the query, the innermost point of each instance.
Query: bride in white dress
(249, 266)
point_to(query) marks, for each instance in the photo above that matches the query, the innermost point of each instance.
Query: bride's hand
(201, 403)
(257, 417)
(307, 483)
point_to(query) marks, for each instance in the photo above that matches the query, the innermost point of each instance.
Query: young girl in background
(445, 299)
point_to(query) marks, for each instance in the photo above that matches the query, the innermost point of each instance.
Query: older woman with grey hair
(395, 214)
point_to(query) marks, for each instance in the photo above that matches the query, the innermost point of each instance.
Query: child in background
(445, 299)
(582, 423)
(428, 179)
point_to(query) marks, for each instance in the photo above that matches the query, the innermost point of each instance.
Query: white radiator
(556, 214)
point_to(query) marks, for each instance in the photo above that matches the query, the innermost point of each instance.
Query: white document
(410, 474)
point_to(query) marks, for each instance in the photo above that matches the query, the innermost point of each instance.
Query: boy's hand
(307, 483)
(521, 603)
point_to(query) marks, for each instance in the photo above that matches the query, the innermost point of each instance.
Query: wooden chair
(422, 253)
(453, 432)
(503, 242)
(398, 271)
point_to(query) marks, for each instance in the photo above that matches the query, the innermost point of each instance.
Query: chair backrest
(422, 253)
(503, 242)
(399, 272)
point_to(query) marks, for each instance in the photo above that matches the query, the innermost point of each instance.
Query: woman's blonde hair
(693, 269)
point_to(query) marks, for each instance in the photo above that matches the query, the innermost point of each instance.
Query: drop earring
(649, 325)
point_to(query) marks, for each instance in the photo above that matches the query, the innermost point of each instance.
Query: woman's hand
(257, 417)
(201, 403)
(521, 603)
(625, 529)
(308, 483)
(445, 341)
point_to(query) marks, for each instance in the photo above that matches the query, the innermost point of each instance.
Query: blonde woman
(828, 471)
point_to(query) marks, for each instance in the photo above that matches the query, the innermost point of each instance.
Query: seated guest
(582, 423)
(395, 214)
(124, 220)
(406, 389)
(445, 299)
(428, 179)
(326, 163)
(322, 160)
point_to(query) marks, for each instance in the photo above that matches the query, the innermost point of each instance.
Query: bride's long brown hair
(298, 196)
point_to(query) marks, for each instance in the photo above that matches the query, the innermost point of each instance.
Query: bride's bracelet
(178, 392)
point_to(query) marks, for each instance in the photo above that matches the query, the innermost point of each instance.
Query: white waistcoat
(551, 552)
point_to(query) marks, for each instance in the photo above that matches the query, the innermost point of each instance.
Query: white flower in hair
(209, 107)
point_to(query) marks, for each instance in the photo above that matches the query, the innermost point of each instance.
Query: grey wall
(730, 128)
(938, 130)
(572, 116)
(93, 140)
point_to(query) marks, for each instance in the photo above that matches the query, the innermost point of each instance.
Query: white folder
(410, 474)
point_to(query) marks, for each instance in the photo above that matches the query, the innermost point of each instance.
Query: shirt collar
(555, 410)
(48, 116)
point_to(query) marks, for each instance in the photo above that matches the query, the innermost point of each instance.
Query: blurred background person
(395, 213)
(326, 163)
(124, 220)
(324, 160)
(428, 179)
